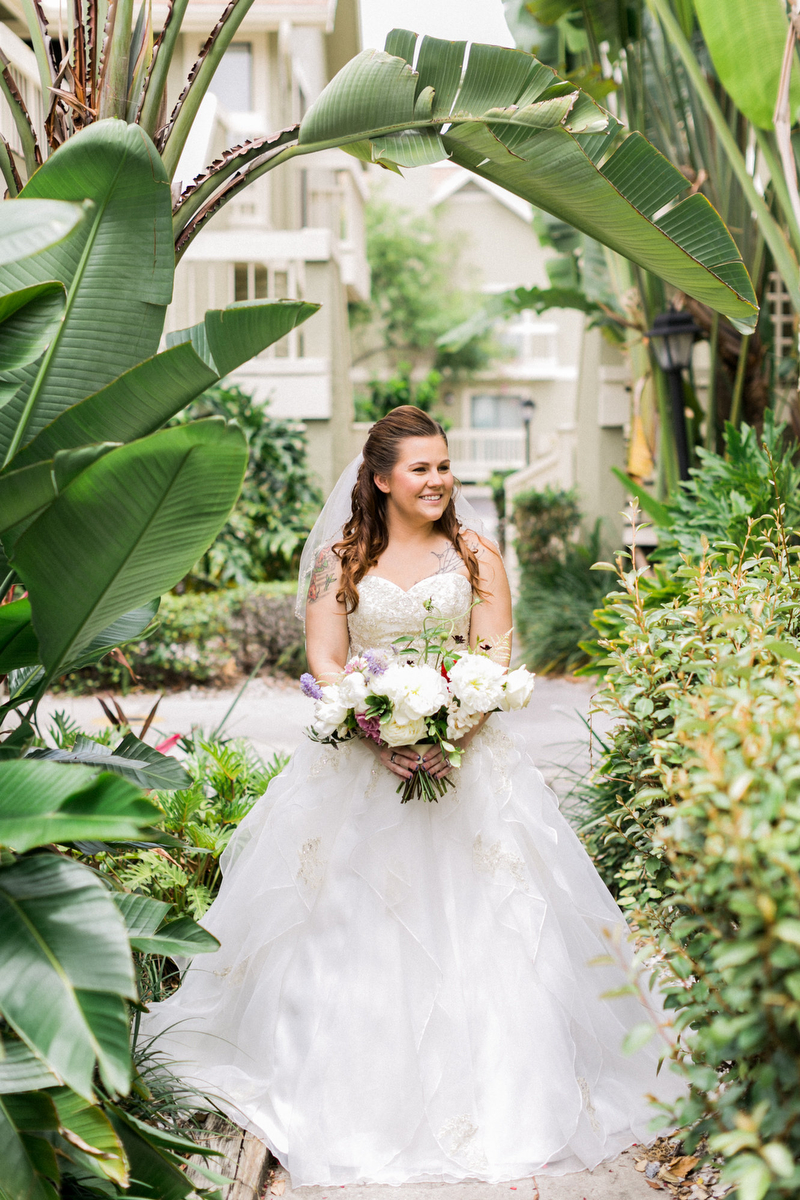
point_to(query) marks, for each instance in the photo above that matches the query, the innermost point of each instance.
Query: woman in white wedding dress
(403, 991)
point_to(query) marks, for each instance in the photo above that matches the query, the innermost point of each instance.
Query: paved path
(272, 715)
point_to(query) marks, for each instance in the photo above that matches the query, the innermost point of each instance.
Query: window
(497, 412)
(250, 281)
(530, 339)
(233, 79)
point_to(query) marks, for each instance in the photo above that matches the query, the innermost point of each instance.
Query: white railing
(475, 453)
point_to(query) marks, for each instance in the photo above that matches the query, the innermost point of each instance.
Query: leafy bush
(227, 779)
(209, 638)
(385, 394)
(278, 502)
(694, 822)
(559, 591)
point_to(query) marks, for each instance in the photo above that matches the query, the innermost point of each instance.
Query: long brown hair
(366, 534)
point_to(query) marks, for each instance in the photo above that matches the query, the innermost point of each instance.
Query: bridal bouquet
(413, 696)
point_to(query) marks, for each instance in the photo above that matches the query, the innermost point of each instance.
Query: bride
(403, 991)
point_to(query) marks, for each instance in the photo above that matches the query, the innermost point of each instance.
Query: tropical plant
(67, 980)
(278, 502)
(100, 512)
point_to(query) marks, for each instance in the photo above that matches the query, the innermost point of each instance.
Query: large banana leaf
(151, 933)
(144, 398)
(511, 120)
(117, 267)
(28, 226)
(133, 759)
(746, 40)
(228, 337)
(66, 969)
(28, 320)
(22, 1071)
(126, 530)
(41, 803)
(29, 1161)
(18, 643)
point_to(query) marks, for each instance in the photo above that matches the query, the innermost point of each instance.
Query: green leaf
(21, 1177)
(652, 507)
(134, 405)
(637, 1037)
(515, 123)
(731, 31)
(88, 1128)
(28, 320)
(228, 337)
(65, 969)
(788, 930)
(29, 226)
(117, 267)
(127, 628)
(127, 529)
(151, 933)
(154, 1171)
(783, 650)
(22, 1071)
(159, 771)
(18, 643)
(44, 802)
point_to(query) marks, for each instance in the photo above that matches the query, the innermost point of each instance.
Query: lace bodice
(385, 612)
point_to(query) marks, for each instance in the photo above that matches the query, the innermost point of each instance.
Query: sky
(470, 20)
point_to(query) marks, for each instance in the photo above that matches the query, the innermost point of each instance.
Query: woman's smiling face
(421, 482)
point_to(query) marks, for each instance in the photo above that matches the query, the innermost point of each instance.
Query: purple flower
(309, 686)
(376, 661)
(369, 726)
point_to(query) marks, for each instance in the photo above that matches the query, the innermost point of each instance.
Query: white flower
(414, 691)
(406, 734)
(354, 689)
(477, 682)
(460, 722)
(330, 711)
(518, 689)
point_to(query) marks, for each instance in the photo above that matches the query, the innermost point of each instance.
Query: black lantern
(673, 335)
(527, 407)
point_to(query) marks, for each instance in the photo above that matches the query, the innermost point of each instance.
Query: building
(296, 232)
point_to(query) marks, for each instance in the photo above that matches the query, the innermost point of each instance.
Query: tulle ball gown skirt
(402, 992)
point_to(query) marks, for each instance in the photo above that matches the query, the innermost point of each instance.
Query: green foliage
(412, 302)
(559, 591)
(385, 394)
(278, 502)
(757, 474)
(694, 822)
(227, 779)
(208, 637)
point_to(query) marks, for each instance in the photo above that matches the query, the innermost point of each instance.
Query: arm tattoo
(322, 577)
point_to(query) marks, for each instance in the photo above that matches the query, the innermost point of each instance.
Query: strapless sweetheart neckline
(419, 583)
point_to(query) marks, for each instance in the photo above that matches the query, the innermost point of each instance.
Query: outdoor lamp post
(673, 336)
(527, 407)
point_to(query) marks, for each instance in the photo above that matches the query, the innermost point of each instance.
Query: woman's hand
(403, 761)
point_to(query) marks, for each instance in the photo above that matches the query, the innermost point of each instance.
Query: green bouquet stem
(422, 784)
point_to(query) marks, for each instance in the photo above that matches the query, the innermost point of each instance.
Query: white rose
(330, 711)
(354, 689)
(477, 682)
(414, 691)
(518, 689)
(406, 734)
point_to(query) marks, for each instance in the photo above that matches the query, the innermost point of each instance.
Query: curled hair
(366, 534)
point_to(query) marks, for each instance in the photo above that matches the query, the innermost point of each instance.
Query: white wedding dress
(402, 991)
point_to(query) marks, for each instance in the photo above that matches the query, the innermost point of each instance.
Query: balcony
(476, 453)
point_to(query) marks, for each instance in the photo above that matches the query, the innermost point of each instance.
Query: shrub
(385, 394)
(209, 638)
(694, 822)
(278, 502)
(559, 591)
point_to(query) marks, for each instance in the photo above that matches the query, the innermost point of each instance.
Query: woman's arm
(327, 639)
